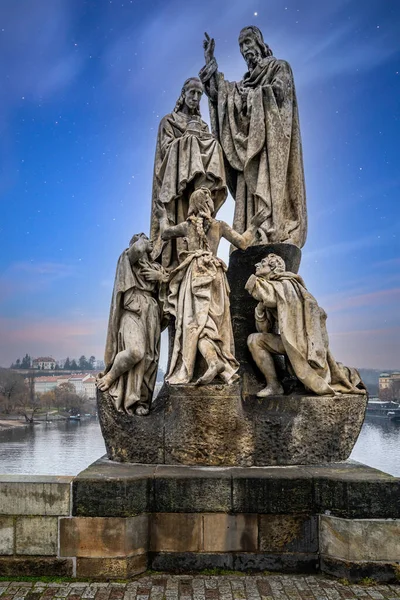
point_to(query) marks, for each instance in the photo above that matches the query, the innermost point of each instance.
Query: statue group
(175, 277)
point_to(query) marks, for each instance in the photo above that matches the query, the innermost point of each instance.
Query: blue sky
(84, 85)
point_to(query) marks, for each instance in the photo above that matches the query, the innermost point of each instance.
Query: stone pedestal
(340, 519)
(215, 426)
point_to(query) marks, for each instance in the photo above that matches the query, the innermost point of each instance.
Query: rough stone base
(342, 519)
(214, 426)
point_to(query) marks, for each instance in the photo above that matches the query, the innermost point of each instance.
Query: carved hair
(181, 100)
(200, 199)
(265, 49)
(276, 263)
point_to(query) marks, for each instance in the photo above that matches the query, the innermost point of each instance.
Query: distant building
(45, 384)
(389, 385)
(44, 362)
(89, 388)
(84, 383)
(384, 381)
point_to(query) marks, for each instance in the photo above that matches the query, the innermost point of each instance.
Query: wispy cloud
(69, 337)
(32, 277)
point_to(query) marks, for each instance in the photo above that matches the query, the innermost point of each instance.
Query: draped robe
(183, 162)
(262, 148)
(134, 319)
(302, 329)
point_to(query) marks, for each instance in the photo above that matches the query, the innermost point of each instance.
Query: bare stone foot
(142, 410)
(271, 390)
(211, 373)
(104, 383)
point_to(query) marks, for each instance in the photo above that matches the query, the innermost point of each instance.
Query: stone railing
(116, 520)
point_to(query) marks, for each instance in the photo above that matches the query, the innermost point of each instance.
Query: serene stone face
(145, 241)
(193, 93)
(249, 48)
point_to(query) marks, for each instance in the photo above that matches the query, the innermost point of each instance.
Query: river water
(68, 447)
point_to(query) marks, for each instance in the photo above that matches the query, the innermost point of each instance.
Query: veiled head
(145, 241)
(272, 263)
(190, 97)
(252, 45)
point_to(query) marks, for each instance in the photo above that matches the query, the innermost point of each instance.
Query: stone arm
(209, 76)
(174, 231)
(243, 240)
(261, 290)
(137, 250)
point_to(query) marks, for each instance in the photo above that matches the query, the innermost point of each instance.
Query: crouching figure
(134, 329)
(286, 306)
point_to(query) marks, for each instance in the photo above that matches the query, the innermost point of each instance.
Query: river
(68, 447)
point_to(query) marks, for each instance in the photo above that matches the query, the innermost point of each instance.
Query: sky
(84, 86)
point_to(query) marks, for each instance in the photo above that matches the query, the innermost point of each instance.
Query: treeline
(18, 397)
(81, 364)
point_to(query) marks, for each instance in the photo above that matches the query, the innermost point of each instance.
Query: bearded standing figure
(187, 157)
(257, 124)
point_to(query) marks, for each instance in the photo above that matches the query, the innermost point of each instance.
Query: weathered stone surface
(288, 533)
(230, 533)
(112, 489)
(36, 567)
(176, 532)
(304, 429)
(103, 537)
(36, 535)
(34, 495)
(272, 491)
(382, 572)
(360, 539)
(131, 438)
(206, 426)
(285, 563)
(185, 562)
(114, 568)
(241, 266)
(192, 489)
(6, 535)
(353, 490)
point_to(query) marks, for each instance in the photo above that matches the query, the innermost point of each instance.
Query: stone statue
(133, 337)
(257, 124)
(285, 303)
(187, 157)
(198, 295)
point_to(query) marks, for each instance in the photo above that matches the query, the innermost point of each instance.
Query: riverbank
(6, 424)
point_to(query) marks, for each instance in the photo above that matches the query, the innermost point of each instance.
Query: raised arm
(209, 74)
(174, 231)
(243, 240)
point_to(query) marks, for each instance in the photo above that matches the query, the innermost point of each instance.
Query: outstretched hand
(259, 218)
(209, 47)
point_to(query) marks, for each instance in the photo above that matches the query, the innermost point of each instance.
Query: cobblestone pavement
(201, 587)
